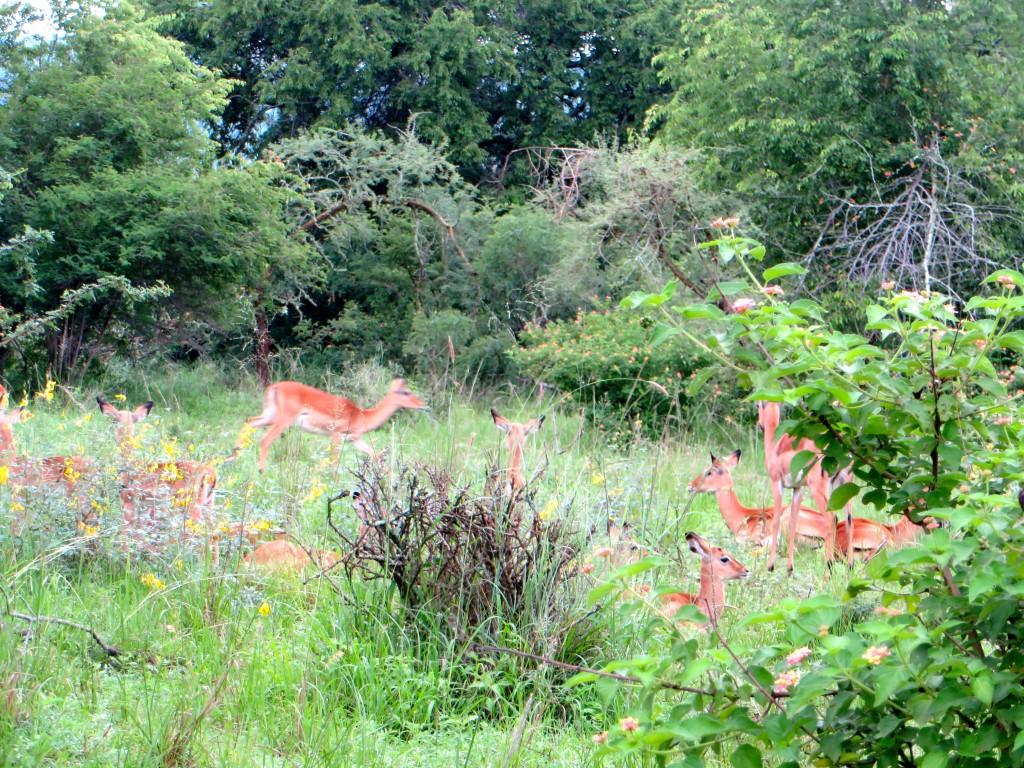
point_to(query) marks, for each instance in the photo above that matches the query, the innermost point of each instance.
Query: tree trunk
(262, 350)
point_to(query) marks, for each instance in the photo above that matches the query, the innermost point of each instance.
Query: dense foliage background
(341, 181)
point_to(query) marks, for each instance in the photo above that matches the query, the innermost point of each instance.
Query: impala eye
(725, 559)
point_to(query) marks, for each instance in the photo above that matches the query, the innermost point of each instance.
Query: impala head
(724, 566)
(717, 477)
(125, 420)
(402, 396)
(517, 433)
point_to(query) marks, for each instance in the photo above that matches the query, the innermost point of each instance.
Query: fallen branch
(111, 650)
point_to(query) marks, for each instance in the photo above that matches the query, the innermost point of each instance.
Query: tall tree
(485, 77)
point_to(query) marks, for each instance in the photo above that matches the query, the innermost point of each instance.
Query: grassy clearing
(224, 666)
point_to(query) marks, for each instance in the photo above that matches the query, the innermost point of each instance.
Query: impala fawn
(313, 410)
(152, 490)
(717, 566)
(779, 456)
(517, 434)
(753, 524)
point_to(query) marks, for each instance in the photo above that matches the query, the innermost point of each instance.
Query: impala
(778, 456)
(517, 434)
(159, 486)
(754, 524)
(62, 472)
(282, 555)
(871, 536)
(717, 566)
(625, 549)
(313, 410)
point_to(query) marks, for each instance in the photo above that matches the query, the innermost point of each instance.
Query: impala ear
(500, 421)
(733, 458)
(397, 384)
(697, 545)
(713, 459)
(142, 411)
(106, 408)
(534, 425)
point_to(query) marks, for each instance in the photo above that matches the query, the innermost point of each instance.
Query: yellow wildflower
(47, 393)
(151, 581)
(16, 507)
(3, 475)
(120, 397)
(264, 610)
(596, 478)
(550, 508)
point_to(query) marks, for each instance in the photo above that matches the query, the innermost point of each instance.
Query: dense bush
(932, 678)
(606, 360)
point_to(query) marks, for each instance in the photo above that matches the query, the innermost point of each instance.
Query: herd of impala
(177, 497)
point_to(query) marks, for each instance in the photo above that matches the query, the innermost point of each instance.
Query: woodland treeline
(422, 182)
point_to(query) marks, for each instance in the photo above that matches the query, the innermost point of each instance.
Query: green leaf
(663, 333)
(1013, 340)
(652, 561)
(982, 687)
(701, 379)
(934, 759)
(782, 270)
(746, 756)
(581, 678)
(601, 590)
(842, 494)
(700, 312)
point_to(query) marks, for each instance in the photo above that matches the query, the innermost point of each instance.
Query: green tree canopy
(487, 77)
(107, 130)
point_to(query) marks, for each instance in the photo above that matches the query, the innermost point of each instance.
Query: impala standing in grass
(517, 434)
(160, 487)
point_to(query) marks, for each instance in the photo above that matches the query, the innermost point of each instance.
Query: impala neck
(375, 417)
(769, 427)
(515, 463)
(711, 596)
(733, 512)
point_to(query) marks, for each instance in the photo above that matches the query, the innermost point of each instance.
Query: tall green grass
(317, 678)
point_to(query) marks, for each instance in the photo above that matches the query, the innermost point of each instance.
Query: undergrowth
(222, 665)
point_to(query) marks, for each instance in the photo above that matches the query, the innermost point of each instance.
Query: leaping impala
(751, 523)
(188, 485)
(778, 457)
(517, 434)
(717, 566)
(313, 410)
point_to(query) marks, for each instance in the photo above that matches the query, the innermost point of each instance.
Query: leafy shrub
(606, 359)
(932, 677)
